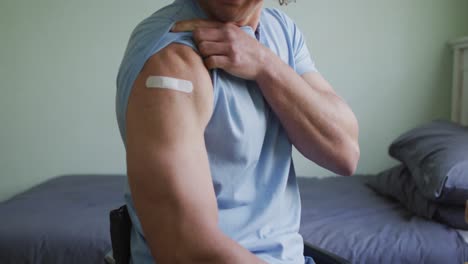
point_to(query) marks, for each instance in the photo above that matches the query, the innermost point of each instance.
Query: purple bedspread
(344, 216)
(64, 220)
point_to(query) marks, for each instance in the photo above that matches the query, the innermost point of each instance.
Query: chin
(230, 10)
(227, 16)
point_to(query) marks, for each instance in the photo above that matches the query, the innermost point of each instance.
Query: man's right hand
(168, 166)
(225, 46)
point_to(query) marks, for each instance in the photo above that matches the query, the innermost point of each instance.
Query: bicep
(167, 162)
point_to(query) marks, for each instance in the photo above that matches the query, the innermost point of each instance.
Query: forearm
(318, 122)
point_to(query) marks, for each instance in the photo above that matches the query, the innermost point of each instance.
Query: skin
(240, 12)
(319, 124)
(180, 222)
(176, 204)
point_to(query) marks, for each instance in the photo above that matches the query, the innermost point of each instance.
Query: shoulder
(149, 37)
(157, 24)
(280, 23)
(274, 14)
(150, 46)
(180, 62)
(156, 28)
(287, 25)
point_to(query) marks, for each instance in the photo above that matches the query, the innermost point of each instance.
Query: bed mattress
(344, 216)
(64, 220)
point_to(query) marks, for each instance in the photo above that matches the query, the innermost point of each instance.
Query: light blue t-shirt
(248, 149)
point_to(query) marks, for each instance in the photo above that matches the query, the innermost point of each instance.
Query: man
(211, 178)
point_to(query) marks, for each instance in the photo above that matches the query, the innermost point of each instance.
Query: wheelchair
(120, 228)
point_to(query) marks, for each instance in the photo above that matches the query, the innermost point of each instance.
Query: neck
(252, 19)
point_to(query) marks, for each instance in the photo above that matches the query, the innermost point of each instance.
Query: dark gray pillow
(453, 216)
(398, 184)
(437, 156)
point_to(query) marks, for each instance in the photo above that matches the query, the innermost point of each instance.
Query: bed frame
(460, 81)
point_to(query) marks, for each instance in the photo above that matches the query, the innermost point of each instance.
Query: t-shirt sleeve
(303, 60)
(148, 38)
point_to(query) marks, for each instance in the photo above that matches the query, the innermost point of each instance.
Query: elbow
(349, 151)
(347, 169)
(340, 157)
(348, 159)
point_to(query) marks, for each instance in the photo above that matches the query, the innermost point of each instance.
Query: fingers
(191, 25)
(208, 34)
(209, 48)
(214, 41)
(216, 62)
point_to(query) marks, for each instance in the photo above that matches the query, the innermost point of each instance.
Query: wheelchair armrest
(120, 228)
(322, 256)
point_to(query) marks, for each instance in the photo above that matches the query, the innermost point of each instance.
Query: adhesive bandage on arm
(163, 82)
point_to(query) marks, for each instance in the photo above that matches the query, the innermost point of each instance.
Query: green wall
(58, 62)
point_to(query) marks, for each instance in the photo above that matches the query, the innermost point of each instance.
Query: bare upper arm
(181, 62)
(167, 162)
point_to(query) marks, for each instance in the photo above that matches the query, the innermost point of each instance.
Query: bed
(344, 216)
(65, 220)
